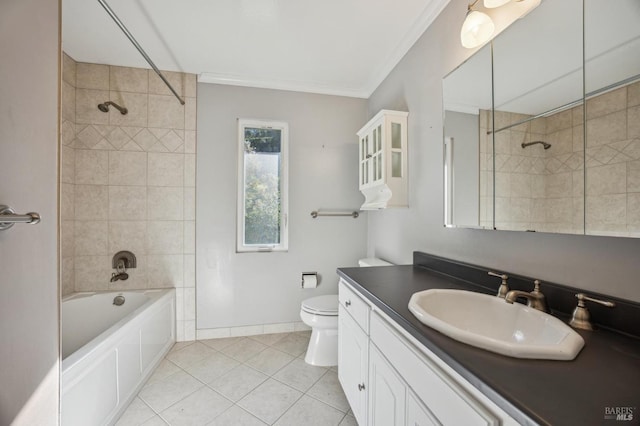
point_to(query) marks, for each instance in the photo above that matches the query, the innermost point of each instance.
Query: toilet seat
(321, 305)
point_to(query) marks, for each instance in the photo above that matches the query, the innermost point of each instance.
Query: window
(262, 186)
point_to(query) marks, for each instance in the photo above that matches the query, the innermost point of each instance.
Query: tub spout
(120, 276)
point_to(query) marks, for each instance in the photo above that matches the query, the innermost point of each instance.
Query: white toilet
(321, 314)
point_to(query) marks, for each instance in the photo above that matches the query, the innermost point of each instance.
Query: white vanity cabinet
(382, 168)
(398, 381)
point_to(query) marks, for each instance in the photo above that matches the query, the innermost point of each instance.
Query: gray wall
(463, 128)
(29, 372)
(601, 264)
(264, 288)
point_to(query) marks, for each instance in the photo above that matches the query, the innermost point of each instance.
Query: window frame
(283, 246)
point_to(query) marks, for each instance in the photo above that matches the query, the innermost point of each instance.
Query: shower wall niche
(128, 182)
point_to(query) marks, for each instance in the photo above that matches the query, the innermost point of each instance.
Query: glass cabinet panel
(396, 136)
(396, 164)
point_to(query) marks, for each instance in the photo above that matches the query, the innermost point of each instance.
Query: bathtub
(109, 351)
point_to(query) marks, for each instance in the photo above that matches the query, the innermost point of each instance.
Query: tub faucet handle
(504, 287)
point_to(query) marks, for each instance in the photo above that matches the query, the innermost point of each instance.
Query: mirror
(531, 170)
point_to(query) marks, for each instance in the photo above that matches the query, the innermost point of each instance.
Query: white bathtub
(109, 351)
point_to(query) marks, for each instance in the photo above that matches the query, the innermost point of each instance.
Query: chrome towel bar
(353, 214)
(8, 217)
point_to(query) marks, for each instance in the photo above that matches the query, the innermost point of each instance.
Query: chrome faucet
(535, 299)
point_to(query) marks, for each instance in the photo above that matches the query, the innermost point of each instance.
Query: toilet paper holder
(309, 280)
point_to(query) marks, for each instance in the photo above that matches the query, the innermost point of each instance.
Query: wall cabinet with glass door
(383, 161)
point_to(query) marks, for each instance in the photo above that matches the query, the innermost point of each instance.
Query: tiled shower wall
(128, 182)
(543, 190)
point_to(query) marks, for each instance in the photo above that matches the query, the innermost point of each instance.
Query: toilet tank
(373, 261)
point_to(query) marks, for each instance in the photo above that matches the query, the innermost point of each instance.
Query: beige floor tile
(236, 416)
(190, 354)
(293, 344)
(199, 408)
(243, 349)
(308, 411)
(136, 414)
(238, 382)
(300, 375)
(269, 361)
(211, 367)
(219, 344)
(270, 400)
(166, 392)
(329, 391)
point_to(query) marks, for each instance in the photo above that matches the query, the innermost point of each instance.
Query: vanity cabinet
(389, 378)
(382, 168)
(353, 359)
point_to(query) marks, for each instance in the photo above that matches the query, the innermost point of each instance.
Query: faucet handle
(504, 287)
(581, 317)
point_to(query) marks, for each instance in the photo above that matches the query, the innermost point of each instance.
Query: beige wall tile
(92, 273)
(189, 237)
(125, 79)
(191, 82)
(633, 122)
(127, 168)
(165, 203)
(165, 271)
(190, 114)
(136, 104)
(165, 169)
(578, 183)
(92, 202)
(189, 331)
(578, 138)
(503, 142)
(559, 121)
(177, 80)
(633, 209)
(87, 111)
(560, 210)
(520, 209)
(607, 103)
(605, 209)
(608, 128)
(165, 237)
(166, 112)
(180, 304)
(68, 69)
(189, 304)
(189, 204)
(67, 164)
(68, 276)
(633, 176)
(67, 205)
(521, 185)
(92, 76)
(189, 270)
(559, 185)
(67, 238)
(561, 142)
(609, 179)
(503, 184)
(68, 102)
(127, 203)
(91, 238)
(577, 115)
(92, 167)
(190, 170)
(633, 94)
(190, 141)
(128, 235)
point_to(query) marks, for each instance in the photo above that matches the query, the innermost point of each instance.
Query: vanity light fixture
(477, 28)
(490, 4)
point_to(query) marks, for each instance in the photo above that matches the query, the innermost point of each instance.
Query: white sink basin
(490, 323)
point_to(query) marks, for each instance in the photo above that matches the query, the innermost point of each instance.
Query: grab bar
(8, 217)
(354, 214)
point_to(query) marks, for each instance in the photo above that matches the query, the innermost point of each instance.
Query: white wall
(264, 288)
(602, 264)
(29, 352)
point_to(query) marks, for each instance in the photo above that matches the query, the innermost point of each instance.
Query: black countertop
(606, 373)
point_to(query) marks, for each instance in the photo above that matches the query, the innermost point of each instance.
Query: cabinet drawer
(447, 400)
(354, 305)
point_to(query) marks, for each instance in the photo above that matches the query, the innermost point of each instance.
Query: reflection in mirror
(467, 98)
(537, 67)
(612, 81)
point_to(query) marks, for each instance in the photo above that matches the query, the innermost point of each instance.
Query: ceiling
(340, 47)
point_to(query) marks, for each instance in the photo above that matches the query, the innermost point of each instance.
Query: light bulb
(476, 29)
(490, 4)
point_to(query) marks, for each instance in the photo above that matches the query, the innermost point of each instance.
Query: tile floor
(241, 381)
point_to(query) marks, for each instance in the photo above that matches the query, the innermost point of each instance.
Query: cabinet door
(365, 170)
(353, 362)
(387, 393)
(418, 414)
(377, 155)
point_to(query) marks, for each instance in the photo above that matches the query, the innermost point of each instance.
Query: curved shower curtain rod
(137, 46)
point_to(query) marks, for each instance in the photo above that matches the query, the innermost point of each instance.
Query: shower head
(104, 107)
(545, 145)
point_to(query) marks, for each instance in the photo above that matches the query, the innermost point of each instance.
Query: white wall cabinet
(382, 167)
(398, 381)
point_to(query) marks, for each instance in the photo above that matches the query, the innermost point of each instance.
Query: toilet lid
(322, 305)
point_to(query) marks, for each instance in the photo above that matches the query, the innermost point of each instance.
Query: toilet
(321, 314)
